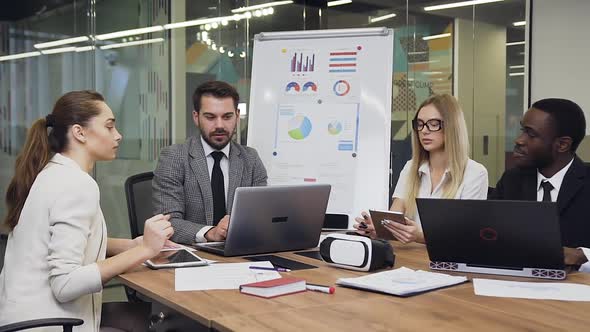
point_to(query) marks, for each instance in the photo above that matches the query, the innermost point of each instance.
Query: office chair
(67, 324)
(3, 241)
(138, 191)
(490, 191)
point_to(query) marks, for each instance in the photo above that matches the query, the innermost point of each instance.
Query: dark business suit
(573, 200)
(182, 186)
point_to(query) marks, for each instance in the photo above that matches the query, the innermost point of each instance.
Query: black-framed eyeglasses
(432, 124)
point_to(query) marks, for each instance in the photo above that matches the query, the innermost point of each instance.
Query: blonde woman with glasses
(440, 168)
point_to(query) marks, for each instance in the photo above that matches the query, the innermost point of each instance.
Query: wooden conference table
(452, 309)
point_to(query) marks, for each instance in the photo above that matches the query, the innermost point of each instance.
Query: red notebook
(273, 288)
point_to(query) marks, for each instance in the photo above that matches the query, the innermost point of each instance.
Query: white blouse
(50, 265)
(474, 185)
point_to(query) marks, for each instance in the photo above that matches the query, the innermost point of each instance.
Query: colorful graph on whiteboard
(299, 127)
(302, 62)
(343, 61)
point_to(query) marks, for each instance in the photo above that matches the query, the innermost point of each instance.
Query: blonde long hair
(456, 147)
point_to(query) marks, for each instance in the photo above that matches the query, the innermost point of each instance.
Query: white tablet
(172, 258)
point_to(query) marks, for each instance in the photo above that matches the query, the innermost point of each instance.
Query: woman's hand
(156, 232)
(408, 233)
(364, 225)
(168, 245)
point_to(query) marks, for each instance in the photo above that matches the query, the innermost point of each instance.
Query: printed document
(402, 281)
(532, 290)
(221, 276)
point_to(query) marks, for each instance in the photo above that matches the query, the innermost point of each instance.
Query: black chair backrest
(138, 190)
(490, 191)
(66, 323)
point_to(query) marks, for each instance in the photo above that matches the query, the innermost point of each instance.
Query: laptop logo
(488, 234)
(279, 219)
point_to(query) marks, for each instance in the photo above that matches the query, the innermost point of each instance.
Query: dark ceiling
(21, 9)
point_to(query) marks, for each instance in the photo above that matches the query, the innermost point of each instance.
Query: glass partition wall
(147, 57)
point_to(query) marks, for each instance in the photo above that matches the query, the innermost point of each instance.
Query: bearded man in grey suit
(195, 181)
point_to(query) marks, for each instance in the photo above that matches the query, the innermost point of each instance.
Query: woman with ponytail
(440, 167)
(55, 262)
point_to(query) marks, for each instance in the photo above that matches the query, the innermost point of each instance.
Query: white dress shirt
(556, 180)
(474, 185)
(50, 265)
(224, 164)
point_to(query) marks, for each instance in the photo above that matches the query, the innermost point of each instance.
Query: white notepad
(402, 281)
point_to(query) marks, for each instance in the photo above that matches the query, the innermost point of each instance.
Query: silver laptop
(272, 219)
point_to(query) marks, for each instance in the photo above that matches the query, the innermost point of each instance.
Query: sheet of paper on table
(532, 290)
(221, 276)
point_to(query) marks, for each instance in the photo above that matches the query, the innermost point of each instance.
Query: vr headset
(355, 252)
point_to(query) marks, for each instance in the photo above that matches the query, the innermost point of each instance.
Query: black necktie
(217, 187)
(547, 187)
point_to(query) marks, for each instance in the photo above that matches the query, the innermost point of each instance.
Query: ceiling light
(62, 42)
(516, 74)
(214, 47)
(338, 3)
(59, 50)
(215, 25)
(517, 67)
(230, 54)
(423, 62)
(132, 32)
(264, 5)
(221, 50)
(442, 35)
(224, 22)
(248, 15)
(432, 73)
(515, 43)
(133, 43)
(519, 24)
(459, 4)
(417, 53)
(271, 11)
(242, 54)
(203, 22)
(208, 41)
(19, 56)
(381, 18)
(207, 27)
(84, 49)
(257, 13)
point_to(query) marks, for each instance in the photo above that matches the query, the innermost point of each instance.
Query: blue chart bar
(342, 70)
(345, 147)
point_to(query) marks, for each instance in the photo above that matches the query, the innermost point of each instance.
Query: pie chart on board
(299, 127)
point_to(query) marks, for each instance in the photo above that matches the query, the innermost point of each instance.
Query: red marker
(321, 288)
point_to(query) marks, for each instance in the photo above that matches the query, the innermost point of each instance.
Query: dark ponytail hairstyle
(76, 107)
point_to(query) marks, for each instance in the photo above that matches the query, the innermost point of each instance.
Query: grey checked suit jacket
(182, 187)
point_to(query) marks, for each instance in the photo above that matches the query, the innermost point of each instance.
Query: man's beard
(214, 144)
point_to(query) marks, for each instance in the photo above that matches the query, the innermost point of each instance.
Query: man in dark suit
(195, 181)
(549, 170)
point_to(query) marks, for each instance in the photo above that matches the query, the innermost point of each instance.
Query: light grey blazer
(182, 186)
(50, 265)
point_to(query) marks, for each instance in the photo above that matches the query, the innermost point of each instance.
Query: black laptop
(518, 238)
